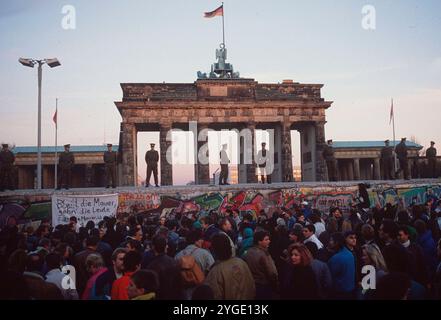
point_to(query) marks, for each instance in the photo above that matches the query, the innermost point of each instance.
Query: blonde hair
(375, 255)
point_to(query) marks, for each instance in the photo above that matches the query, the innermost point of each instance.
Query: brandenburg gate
(223, 100)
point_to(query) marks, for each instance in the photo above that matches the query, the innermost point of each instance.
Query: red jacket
(119, 287)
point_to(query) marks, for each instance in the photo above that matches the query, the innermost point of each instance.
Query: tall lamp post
(31, 63)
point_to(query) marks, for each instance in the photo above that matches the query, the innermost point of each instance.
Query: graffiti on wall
(32, 208)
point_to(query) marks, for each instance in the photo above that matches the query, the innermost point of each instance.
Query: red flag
(391, 111)
(54, 118)
(218, 12)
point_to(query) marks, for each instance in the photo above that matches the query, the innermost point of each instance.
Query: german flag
(218, 12)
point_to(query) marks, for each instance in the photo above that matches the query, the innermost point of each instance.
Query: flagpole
(393, 128)
(223, 24)
(56, 142)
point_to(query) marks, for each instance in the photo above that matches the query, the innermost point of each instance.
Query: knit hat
(197, 225)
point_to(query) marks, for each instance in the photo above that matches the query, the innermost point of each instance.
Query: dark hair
(404, 229)
(310, 227)
(17, 261)
(131, 261)
(392, 286)
(193, 236)
(207, 220)
(146, 279)
(74, 219)
(118, 251)
(90, 225)
(312, 247)
(92, 241)
(314, 217)
(95, 232)
(159, 243)
(221, 246)
(203, 292)
(368, 232)
(259, 236)
(420, 226)
(53, 261)
(339, 239)
(390, 228)
(34, 262)
(135, 244)
(44, 242)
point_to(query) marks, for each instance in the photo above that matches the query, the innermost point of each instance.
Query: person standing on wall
(152, 158)
(224, 161)
(263, 163)
(431, 157)
(110, 160)
(387, 161)
(401, 151)
(7, 160)
(66, 162)
(331, 162)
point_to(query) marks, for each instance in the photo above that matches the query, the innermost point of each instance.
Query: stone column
(351, 171)
(46, 183)
(166, 152)
(202, 171)
(251, 167)
(356, 169)
(287, 175)
(377, 172)
(89, 175)
(321, 171)
(127, 150)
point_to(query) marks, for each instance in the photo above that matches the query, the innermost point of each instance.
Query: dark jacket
(152, 158)
(80, 267)
(169, 277)
(299, 283)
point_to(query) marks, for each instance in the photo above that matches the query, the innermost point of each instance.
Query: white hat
(305, 203)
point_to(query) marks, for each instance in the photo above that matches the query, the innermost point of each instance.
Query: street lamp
(31, 63)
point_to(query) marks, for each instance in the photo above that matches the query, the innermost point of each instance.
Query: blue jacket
(342, 267)
(429, 249)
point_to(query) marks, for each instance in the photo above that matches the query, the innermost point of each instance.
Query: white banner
(85, 208)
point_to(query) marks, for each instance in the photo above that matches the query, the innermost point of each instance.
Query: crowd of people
(293, 253)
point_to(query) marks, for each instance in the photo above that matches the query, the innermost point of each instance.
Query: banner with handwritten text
(85, 208)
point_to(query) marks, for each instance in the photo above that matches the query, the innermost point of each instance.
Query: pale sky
(309, 41)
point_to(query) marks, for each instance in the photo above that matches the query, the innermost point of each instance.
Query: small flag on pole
(54, 118)
(218, 12)
(391, 111)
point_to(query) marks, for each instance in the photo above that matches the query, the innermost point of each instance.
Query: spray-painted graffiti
(137, 202)
(27, 208)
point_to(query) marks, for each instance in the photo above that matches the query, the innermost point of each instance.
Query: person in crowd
(38, 288)
(104, 282)
(425, 240)
(309, 234)
(131, 264)
(418, 270)
(247, 241)
(143, 285)
(56, 276)
(321, 272)
(167, 270)
(343, 269)
(298, 281)
(203, 257)
(230, 277)
(262, 266)
(96, 267)
(80, 262)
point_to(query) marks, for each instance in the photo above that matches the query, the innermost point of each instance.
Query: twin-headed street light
(31, 63)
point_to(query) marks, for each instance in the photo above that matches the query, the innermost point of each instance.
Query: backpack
(190, 271)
